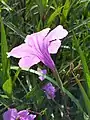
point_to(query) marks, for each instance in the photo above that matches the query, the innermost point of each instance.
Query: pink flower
(38, 46)
(12, 114)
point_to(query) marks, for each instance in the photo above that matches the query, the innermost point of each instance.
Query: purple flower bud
(44, 72)
(49, 90)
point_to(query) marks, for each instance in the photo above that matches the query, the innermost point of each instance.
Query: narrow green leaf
(35, 92)
(7, 86)
(73, 99)
(66, 9)
(4, 96)
(88, 79)
(4, 49)
(5, 5)
(44, 2)
(40, 6)
(84, 63)
(31, 93)
(85, 97)
(54, 15)
(14, 29)
(16, 75)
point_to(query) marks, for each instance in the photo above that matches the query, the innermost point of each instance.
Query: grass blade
(7, 86)
(53, 16)
(85, 97)
(84, 63)
(66, 9)
(4, 49)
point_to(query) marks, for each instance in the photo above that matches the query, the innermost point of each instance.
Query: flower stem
(58, 80)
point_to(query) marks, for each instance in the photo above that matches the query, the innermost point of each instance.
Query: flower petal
(23, 113)
(58, 33)
(33, 37)
(44, 72)
(27, 62)
(11, 114)
(20, 51)
(54, 46)
(35, 40)
(31, 117)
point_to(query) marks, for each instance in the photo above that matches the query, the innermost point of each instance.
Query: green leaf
(32, 93)
(36, 93)
(73, 99)
(66, 9)
(5, 5)
(54, 15)
(14, 29)
(16, 75)
(4, 50)
(7, 87)
(40, 6)
(85, 97)
(44, 2)
(84, 63)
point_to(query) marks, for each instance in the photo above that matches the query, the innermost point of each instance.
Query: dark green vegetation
(21, 17)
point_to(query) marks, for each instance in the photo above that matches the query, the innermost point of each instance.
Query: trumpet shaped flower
(12, 114)
(38, 46)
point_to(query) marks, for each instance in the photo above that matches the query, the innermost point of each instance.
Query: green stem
(59, 81)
